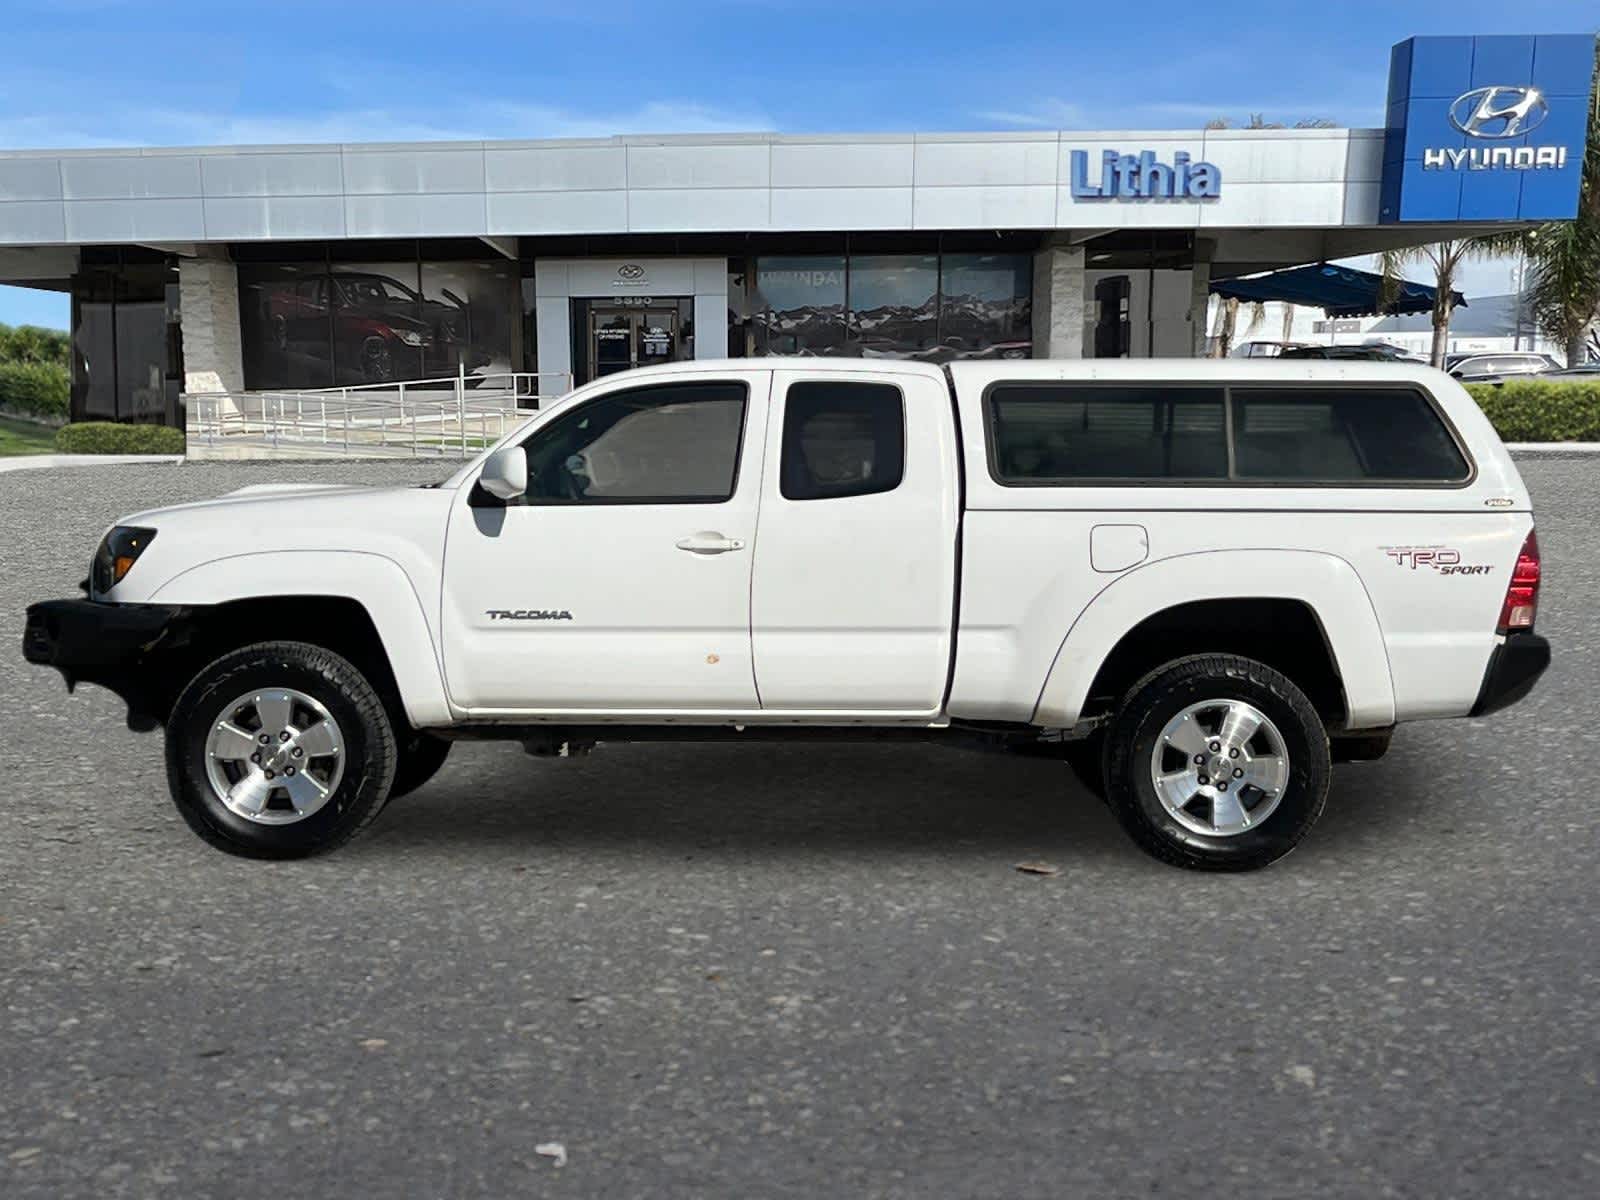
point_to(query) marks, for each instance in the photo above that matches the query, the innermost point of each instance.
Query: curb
(1553, 447)
(26, 462)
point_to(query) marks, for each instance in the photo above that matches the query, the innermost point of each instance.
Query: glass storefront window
(468, 312)
(284, 323)
(800, 305)
(380, 330)
(345, 324)
(94, 349)
(126, 347)
(894, 303)
(986, 306)
(142, 359)
(928, 307)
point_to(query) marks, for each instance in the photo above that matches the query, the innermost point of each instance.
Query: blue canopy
(1337, 291)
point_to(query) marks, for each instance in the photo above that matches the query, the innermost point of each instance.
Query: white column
(711, 308)
(1059, 310)
(552, 318)
(208, 295)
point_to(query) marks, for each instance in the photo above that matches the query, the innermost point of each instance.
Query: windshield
(374, 290)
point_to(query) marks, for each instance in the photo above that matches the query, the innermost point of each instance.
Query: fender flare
(1328, 585)
(374, 581)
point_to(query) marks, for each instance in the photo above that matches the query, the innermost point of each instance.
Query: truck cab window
(669, 444)
(842, 439)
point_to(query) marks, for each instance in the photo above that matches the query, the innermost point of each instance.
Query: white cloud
(1046, 113)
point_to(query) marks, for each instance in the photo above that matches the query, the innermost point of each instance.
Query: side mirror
(505, 475)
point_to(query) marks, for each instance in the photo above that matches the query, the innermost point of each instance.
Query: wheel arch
(359, 605)
(1305, 613)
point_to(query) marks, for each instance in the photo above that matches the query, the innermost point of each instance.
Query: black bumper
(1514, 667)
(119, 646)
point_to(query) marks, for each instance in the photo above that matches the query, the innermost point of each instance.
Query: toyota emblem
(630, 271)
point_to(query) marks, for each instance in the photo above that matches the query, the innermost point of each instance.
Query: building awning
(1338, 291)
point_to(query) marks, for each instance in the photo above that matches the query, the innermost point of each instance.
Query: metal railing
(417, 418)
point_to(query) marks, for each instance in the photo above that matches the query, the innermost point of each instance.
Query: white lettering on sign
(1494, 158)
(804, 278)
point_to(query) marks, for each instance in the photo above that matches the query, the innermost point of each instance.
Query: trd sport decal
(1435, 558)
(529, 614)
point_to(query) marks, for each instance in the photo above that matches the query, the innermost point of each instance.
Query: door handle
(708, 541)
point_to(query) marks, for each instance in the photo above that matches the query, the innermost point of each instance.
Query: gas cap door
(1118, 547)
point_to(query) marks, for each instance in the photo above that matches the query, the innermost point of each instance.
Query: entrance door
(623, 338)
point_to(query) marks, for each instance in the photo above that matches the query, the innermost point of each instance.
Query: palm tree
(1445, 258)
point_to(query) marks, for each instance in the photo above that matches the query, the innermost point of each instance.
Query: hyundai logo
(1499, 112)
(630, 271)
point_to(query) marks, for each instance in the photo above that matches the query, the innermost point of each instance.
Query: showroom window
(127, 349)
(318, 324)
(800, 305)
(935, 307)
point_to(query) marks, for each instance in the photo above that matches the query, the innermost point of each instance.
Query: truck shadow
(755, 796)
(778, 798)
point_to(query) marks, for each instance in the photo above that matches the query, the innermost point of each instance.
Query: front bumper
(1514, 667)
(114, 645)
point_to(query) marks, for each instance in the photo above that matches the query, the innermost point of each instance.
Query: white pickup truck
(1199, 583)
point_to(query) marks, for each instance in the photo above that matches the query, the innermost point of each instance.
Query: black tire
(368, 749)
(418, 760)
(1165, 693)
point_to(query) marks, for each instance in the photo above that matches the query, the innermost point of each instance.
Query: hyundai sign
(1486, 128)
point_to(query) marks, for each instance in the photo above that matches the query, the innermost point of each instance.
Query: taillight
(1522, 596)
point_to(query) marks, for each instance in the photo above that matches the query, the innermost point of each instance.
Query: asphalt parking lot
(798, 971)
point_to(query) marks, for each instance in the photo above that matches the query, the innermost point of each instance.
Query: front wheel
(279, 750)
(1217, 762)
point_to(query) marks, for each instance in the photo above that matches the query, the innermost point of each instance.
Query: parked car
(382, 328)
(1588, 370)
(1262, 349)
(1200, 587)
(1368, 352)
(1487, 367)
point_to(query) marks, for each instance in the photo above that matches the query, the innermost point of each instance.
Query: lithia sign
(1142, 176)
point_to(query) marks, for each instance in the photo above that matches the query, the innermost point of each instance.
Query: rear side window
(842, 439)
(1054, 433)
(1338, 435)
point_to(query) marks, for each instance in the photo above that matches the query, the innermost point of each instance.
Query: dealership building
(250, 268)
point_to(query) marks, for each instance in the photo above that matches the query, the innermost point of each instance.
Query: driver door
(620, 582)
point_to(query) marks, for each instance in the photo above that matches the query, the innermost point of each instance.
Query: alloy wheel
(1220, 767)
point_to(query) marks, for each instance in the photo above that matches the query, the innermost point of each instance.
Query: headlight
(119, 550)
(410, 337)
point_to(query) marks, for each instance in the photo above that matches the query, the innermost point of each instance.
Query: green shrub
(1541, 410)
(108, 437)
(34, 389)
(32, 344)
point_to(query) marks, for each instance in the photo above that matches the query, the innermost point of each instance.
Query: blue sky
(147, 72)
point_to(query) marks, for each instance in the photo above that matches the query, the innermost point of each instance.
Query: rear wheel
(1217, 762)
(279, 750)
